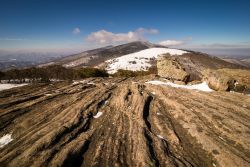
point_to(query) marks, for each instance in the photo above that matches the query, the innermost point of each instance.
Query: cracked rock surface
(123, 122)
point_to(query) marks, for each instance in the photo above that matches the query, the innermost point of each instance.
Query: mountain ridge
(96, 56)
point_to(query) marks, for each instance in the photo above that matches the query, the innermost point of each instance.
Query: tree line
(57, 72)
(46, 74)
(129, 73)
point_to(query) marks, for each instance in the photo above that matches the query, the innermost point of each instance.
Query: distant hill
(21, 59)
(242, 62)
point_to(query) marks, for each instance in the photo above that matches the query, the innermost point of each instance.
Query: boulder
(168, 67)
(219, 81)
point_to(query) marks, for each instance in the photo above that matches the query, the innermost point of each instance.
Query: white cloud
(143, 31)
(76, 30)
(171, 43)
(106, 37)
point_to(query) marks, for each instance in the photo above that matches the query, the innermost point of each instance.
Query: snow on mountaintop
(139, 60)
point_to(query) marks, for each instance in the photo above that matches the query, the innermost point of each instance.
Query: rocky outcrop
(122, 122)
(195, 67)
(226, 80)
(219, 81)
(168, 67)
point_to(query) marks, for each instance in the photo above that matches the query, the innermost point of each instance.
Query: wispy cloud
(171, 43)
(245, 42)
(18, 39)
(176, 42)
(224, 49)
(76, 31)
(221, 46)
(13, 39)
(106, 37)
(143, 31)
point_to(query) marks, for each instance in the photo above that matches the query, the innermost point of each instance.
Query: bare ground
(141, 125)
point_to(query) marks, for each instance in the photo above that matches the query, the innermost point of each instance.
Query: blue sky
(55, 24)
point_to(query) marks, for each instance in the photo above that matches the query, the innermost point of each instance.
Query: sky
(80, 25)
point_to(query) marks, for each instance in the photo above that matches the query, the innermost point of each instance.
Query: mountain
(136, 56)
(182, 65)
(101, 57)
(97, 56)
(22, 58)
(242, 62)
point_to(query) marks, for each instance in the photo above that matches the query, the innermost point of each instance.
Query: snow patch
(75, 82)
(202, 86)
(78, 82)
(238, 93)
(55, 80)
(9, 86)
(160, 136)
(5, 140)
(98, 114)
(134, 82)
(72, 64)
(221, 138)
(139, 61)
(91, 83)
(83, 81)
